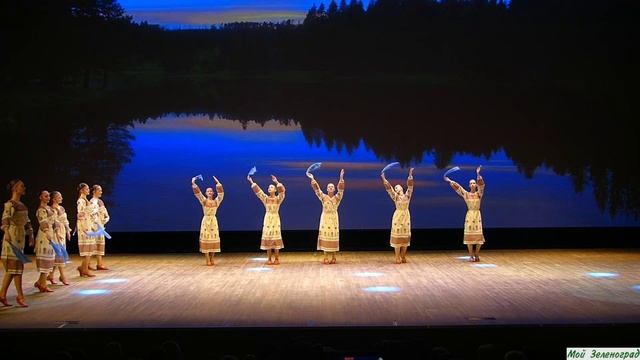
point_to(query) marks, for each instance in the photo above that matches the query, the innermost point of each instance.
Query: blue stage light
(636, 288)
(603, 275)
(92, 292)
(381, 289)
(112, 281)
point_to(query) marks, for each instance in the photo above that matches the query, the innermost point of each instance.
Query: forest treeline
(567, 134)
(586, 44)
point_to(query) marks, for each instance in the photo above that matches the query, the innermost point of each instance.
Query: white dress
(401, 221)
(61, 230)
(86, 244)
(209, 233)
(100, 216)
(45, 255)
(271, 229)
(473, 219)
(15, 222)
(329, 231)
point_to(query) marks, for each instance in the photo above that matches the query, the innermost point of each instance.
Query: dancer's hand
(274, 179)
(341, 174)
(32, 241)
(446, 178)
(411, 172)
(249, 179)
(193, 181)
(478, 169)
(310, 176)
(68, 235)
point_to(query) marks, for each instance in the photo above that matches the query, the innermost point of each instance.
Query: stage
(364, 289)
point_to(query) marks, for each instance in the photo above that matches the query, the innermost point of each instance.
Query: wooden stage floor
(510, 287)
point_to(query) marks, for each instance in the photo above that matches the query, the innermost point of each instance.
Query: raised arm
(196, 192)
(257, 190)
(410, 184)
(219, 190)
(340, 193)
(316, 187)
(456, 187)
(388, 188)
(480, 182)
(280, 187)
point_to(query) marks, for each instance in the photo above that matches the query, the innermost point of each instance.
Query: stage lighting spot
(465, 258)
(112, 281)
(485, 265)
(259, 259)
(603, 275)
(259, 269)
(381, 289)
(93, 292)
(369, 274)
(636, 288)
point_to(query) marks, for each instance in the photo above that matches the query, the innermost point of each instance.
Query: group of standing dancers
(329, 229)
(53, 233)
(92, 215)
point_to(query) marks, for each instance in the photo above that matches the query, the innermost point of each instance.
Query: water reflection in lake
(550, 159)
(153, 191)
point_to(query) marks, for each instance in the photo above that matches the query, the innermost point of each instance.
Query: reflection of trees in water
(589, 138)
(56, 149)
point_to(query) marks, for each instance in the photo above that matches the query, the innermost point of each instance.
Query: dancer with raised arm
(209, 233)
(473, 236)
(45, 255)
(15, 226)
(100, 217)
(401, 221)
(63, 234)
(84, 225)
(329, 231)
(271, 231)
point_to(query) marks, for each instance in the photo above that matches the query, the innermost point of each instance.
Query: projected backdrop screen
(153, 192)
(546, 163)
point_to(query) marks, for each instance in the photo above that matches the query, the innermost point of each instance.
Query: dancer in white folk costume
(63, 234)
(329, 230)
(271, 240)
(45, 256)
(401, 221)
(473, 236)
(100, 217)
(209, 232)
(84, 226)
(15, 227)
